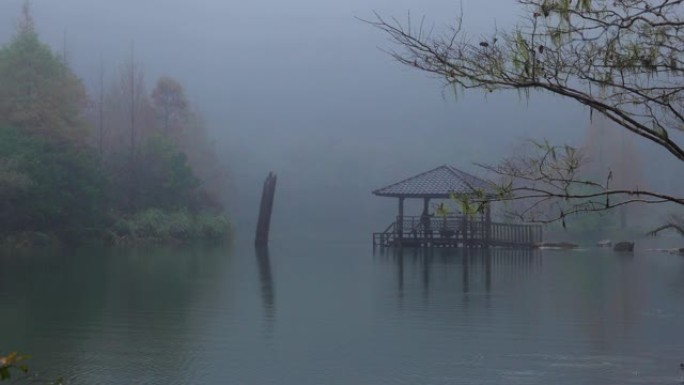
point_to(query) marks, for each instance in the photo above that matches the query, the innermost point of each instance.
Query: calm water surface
(340, 314)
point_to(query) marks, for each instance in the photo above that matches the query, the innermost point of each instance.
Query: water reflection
(441, 316)
(266, 283)
(594, 298)
(476, 265)
(110, 316)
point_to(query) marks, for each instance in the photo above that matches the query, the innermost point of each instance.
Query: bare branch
(622, 59)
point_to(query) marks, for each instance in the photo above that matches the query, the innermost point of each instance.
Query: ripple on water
(335, 315)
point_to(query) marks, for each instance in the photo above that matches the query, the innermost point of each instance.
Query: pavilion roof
(438, 183)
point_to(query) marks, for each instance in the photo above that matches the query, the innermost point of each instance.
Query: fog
(303, 88)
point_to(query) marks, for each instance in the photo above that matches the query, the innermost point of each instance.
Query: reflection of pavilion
(477, 266)
(450, 230)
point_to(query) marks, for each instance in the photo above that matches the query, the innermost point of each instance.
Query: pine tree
(38, 91)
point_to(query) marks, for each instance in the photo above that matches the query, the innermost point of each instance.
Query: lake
(338, 313)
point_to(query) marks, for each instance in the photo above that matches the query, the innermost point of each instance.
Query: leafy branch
(12, 362)
(623, 60)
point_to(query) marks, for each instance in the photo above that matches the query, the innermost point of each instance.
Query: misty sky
(302, 88)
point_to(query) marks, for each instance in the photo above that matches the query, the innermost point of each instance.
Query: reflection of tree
(606, 296)
(101, 315)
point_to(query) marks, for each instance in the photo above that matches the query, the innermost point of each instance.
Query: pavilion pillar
(488, 224)
(400, 219)
(426, 206)
(464, 230)
(425, 222)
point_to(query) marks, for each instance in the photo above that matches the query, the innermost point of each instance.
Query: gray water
(340, 314)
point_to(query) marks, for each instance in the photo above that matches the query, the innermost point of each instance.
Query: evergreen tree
(38, 91)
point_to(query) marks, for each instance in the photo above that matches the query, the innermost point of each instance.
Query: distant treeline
(119, 164)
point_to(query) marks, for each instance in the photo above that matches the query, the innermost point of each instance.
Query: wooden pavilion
(430, 230)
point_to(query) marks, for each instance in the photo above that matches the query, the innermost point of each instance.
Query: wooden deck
(457, 231)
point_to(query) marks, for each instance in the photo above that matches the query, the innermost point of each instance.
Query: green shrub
(158, 226)
(50, 186)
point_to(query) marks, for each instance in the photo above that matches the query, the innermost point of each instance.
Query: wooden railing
(505, 234)
(458, 230)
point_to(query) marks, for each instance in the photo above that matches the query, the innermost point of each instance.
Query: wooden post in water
(264, 222)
